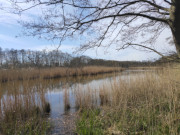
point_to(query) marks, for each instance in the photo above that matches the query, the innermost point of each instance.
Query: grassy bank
(49, 73)
(147, 104)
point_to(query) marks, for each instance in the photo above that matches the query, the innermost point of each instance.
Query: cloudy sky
(11, 37)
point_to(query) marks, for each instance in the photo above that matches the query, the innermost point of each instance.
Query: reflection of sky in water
(55, 96)
(55, 89)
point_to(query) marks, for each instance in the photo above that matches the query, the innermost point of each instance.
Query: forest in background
(12, 58)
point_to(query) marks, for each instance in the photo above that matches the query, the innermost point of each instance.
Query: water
(61, 94)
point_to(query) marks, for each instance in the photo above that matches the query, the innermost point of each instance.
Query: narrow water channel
(62, 94)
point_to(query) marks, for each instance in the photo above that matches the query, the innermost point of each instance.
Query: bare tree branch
(105, 22)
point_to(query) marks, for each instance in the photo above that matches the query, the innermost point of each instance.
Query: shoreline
(54, 73)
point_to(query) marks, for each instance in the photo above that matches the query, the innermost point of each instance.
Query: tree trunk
(175, 24)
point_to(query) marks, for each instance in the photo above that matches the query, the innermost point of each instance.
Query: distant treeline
(172, 58)
(12, 58)
(86, 61)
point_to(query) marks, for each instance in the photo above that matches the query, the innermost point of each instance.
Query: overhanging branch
(146, 47)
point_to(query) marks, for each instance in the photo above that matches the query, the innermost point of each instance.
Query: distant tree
(13, 58)
(1, 56)
(27, 58)
(106, 22)
(22, 53)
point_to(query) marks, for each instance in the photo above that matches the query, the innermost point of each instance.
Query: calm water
(59, 92)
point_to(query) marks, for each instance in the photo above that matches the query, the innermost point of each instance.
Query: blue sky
(11, 37)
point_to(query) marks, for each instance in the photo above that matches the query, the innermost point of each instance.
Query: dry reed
(23, 111)
(146, 104)
(49, 73)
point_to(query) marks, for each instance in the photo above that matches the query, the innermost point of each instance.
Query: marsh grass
(50, 73)
(66, 100)
(147, 104)
(24, 112)
(85, 98)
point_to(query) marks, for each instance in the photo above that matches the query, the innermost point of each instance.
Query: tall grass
(144, 105)
(24, 112)
(66, 100)
(48, 73)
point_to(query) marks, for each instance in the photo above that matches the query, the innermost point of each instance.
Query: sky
(11, 37)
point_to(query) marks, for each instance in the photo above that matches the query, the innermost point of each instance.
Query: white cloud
(9, 20)
(5, 39)
(122, 55)
(8, 41)
(99, 53)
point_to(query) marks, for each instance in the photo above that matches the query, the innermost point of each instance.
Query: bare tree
(122, 23)
(1, 56)
(22, 53)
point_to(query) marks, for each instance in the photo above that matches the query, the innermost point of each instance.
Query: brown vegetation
(24, 112)
(137, 103)
(49, 73)
(146, 104)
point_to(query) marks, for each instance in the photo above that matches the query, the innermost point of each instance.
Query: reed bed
(49, 73)
(141, 105)
(24, 112)
(87, 98)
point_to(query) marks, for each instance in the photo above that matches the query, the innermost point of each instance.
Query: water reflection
(62, 94)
